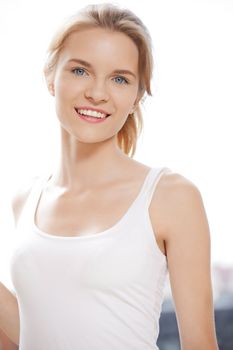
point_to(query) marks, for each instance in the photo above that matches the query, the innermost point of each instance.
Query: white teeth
(92, 113)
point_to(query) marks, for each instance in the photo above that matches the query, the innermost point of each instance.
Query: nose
(97, 91)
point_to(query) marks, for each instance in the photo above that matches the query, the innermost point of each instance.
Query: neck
(84, 165)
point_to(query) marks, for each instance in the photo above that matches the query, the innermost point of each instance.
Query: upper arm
(187, 240)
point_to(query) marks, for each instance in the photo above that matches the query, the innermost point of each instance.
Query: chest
(84, 213)
(89, 212)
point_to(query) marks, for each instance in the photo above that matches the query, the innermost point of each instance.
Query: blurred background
(187, 121)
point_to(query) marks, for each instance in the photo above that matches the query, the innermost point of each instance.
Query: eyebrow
(88, 65)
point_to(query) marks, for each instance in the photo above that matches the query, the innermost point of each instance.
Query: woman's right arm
(9, 312)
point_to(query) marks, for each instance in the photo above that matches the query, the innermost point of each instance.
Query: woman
(97, 237)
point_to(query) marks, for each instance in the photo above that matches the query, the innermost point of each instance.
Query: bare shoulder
(178, 200)
(20, 196)
(177, 187)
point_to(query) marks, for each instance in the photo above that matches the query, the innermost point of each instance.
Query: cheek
(63, 89)
(126, 99)
(63, 100)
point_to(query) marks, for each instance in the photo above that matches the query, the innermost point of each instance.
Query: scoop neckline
(97, 235)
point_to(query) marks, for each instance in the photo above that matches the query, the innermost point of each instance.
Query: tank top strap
(29, 207)
(151, 183)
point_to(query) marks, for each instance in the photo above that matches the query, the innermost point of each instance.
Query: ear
(49, 82)
(51, 88)
(133, 109)
(135, 105)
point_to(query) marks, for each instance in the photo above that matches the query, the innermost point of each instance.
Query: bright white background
(187, 122)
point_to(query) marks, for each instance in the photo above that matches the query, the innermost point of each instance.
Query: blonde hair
(112, 17)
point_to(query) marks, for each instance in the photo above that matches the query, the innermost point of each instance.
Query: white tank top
(100, 291)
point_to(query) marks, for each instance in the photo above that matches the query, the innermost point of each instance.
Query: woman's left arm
(189, 264)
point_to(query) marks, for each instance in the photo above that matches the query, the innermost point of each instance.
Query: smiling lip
(92, 109)
(91, 119)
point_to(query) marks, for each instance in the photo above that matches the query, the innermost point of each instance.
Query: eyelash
(76, 69)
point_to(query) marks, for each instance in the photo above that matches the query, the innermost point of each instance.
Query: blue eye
(78, 71)
(81, 72)
(121, 80)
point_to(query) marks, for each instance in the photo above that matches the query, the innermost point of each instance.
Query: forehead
(101, 47)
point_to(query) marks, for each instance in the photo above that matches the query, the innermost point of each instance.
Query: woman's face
(96, 69)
